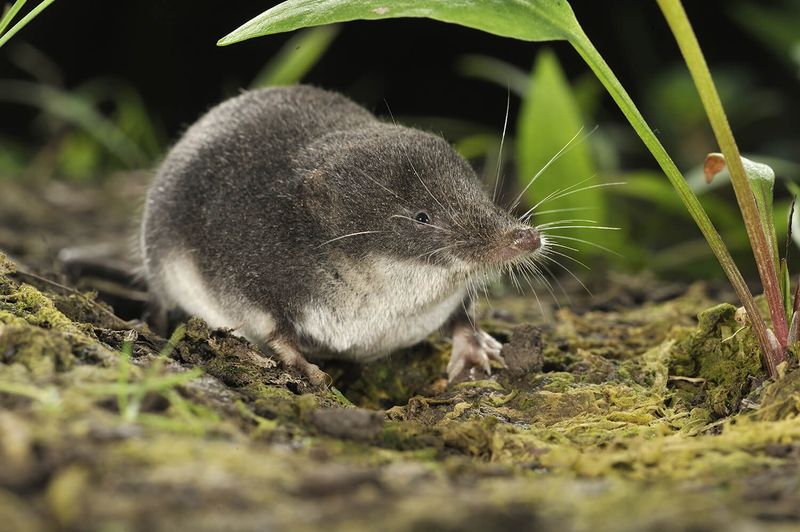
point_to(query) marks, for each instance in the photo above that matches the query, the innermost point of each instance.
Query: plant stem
(596, 62)
(25, 20)
(693, 55)
(9, 14)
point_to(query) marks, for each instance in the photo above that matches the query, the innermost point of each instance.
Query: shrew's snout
(526, 240)
(518, 242)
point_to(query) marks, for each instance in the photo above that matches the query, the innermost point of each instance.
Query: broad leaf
(528, 20)
(495, 71)
(549, 119)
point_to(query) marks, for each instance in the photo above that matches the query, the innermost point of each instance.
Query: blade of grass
(690, 48)
(123, 377)
(296, 57)
(493, 70)
(527, 20)
(548, 120)
(10, 13)
(78, 111)
(24, 21)
(596, 62)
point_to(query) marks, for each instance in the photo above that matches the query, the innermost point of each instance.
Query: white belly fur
(405, 302)
(185, 288)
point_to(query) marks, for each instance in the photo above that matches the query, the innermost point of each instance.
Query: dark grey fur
(257, 186)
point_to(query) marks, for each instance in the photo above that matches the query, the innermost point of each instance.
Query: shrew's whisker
(429, 254)
(421, 223)
(599, 227)
(558, 263)
(584, 241)
(553, 159)
(558, 283)
(387, 189)
(531, 268)
(500, 151)
(530, 212)
(562, 246)
(566, 221)
(590, 187)
(566, 209)
(348, 236)
(573, 259)
(567, 191)
(530, 284)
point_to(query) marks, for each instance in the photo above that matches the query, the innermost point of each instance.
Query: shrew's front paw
(291, 356)
(473, 349)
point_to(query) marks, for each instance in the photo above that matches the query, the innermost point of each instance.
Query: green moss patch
(638, 419)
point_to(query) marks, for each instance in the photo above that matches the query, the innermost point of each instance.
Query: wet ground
(622, 411)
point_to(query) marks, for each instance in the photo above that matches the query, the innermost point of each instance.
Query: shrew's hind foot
(291, 356)
(473, 349)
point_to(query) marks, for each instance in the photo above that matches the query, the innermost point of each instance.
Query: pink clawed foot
(473, 348)
(290, 356)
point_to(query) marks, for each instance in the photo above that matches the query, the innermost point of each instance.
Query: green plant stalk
(123, 377)
(24, 21)
(296, 57)
(693, 55)
(527, 20)
(9, 15)
(589, 53)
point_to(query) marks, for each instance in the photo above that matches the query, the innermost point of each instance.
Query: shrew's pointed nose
(527, 239)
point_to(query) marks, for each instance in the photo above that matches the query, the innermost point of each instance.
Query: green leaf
(651, 187)
(296, 58)
(549, 119)
(528, 20)
(761, 179)
(477, 145)
(786, 288)
(76, 110)
(494, 71)
(774, 24)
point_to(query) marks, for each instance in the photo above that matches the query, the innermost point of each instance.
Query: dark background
(167, 50)
(162, 55)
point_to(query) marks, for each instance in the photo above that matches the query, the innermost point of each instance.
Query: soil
(622, 411)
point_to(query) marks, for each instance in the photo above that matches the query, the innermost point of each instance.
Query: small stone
(350, 423)
(523, 353)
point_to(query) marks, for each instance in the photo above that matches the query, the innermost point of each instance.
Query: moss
(66, 496)
(38, 309)
(29, 304)
(475, 437)
(6, 266)
(18, 514)
(781, 399)
(724, 357)
(42, 352)
(233, 372)
(548, 407)
(393, 380)
(604, 437)
(404, 436)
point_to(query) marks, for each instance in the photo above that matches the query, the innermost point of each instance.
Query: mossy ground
(638, 416)
(637, 420)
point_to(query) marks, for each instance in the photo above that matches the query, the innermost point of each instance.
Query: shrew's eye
(422, 217)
